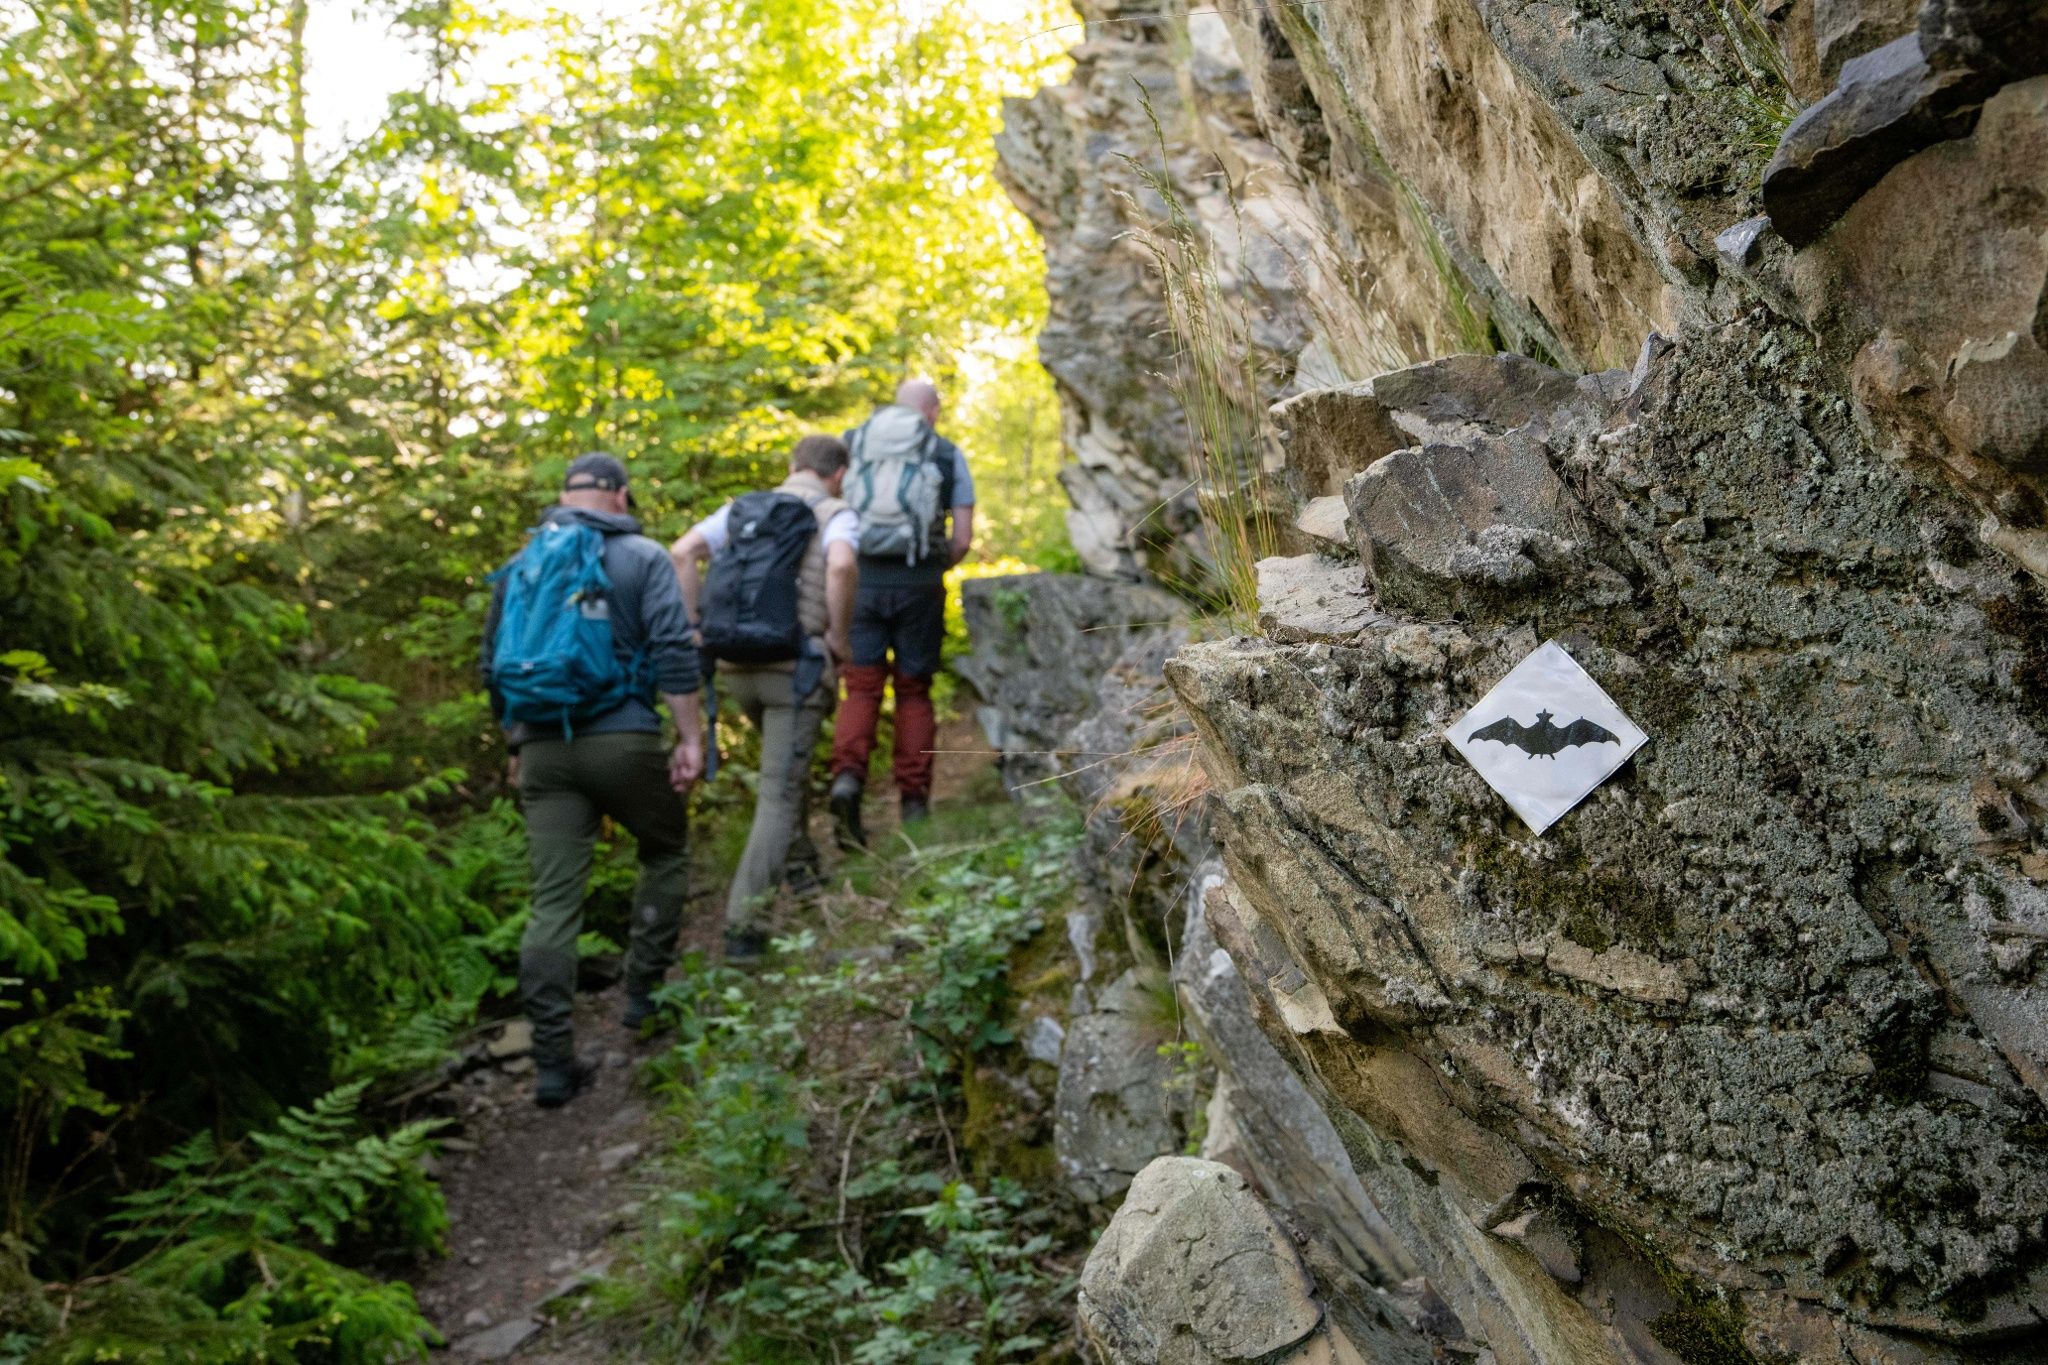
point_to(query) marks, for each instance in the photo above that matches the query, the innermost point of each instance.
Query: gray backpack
(895, 483)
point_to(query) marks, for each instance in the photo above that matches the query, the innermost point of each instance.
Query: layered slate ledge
(1747, 1051)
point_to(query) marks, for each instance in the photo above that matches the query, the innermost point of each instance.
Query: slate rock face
(1044, 644)
(1747, 1010)
(1890, 104)
(1933, 287)
(1308, 597)
(1844, 29)
(1068, 671)
(1745, 1059)
(1117, 1107)
(1195, 1270)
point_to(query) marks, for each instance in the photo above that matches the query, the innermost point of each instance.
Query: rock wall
(1746, 1059)
(1380, 184)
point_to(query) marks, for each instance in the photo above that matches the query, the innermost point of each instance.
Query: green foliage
(310, 1178)
(268, 416)
(229, 1270)
(810, 215)
(958, 1299)
(819, 1199)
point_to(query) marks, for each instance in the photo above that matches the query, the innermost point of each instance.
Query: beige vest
(810, 588)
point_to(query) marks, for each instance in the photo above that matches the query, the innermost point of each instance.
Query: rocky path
(534, 1194)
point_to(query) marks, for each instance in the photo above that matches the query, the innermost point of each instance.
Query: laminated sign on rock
(1546, 736)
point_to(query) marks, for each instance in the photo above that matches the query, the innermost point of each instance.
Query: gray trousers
(789, 736)
(565, 787)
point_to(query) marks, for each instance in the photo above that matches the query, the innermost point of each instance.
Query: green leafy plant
(234, 1242)
(820, 1201)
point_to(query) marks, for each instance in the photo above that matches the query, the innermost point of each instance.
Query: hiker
(775, 615)
(907, 483)
(586, 626)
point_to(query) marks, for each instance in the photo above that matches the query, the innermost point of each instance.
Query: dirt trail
(534, 1196)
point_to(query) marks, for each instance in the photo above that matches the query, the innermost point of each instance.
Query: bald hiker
(914, 498)
(773, 612)
(586, 629)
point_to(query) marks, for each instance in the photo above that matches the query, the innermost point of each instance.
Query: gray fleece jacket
(646, 612)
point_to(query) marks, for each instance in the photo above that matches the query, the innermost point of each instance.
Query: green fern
(310, 1178)
(232, 1238)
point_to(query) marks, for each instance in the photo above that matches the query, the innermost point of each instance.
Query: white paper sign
(1545, 736)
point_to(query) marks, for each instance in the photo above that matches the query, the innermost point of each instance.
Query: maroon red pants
(853, 734)
(897, 629)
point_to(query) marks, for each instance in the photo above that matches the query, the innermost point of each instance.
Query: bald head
(920, 395)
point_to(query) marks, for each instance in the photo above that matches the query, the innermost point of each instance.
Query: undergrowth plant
(826, 1199)
(1764, 95)
(1216, 379)
(234, 1246)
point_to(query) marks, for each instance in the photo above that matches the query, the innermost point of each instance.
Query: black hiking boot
(844, 803)
(916, 809)
(639, 1009)
(803, 880)
(557, 1085)
(745, 947)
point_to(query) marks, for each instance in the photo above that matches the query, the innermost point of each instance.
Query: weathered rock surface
(1045, 644)
(1745, 1060)
(1743, 1020)
(1194, 1270)
(1117, 1106)
(1069, 672)
(1382, 184)
(1308, 597)
(1890, 103)
(1946, 360)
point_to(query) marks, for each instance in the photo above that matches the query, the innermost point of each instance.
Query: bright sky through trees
(358, 58)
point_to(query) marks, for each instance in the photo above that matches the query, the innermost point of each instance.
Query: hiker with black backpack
(773, 613)
(586, 627)
(915, 500)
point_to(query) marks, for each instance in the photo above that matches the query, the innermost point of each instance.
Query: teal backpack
(552, 660)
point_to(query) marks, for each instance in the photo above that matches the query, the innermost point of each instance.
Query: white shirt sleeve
(713, 528)
(843, 529)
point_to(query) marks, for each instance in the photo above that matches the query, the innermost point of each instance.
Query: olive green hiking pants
(789, 736)
(565, 787)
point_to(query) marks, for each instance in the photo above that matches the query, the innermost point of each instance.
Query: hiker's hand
(512, 771)
(840, 646)
(686, 765)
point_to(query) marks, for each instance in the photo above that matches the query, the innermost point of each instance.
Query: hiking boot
(803, 880)
(915, 809)
(844, 803)
(745, 947)
(557, 1085)
(639, 1009)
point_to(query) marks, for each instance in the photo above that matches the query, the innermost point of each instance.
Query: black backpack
(750, 599)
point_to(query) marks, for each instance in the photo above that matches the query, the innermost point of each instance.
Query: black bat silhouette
(1544, 740)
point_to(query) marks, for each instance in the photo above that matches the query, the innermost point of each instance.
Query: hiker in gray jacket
(614, 763)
